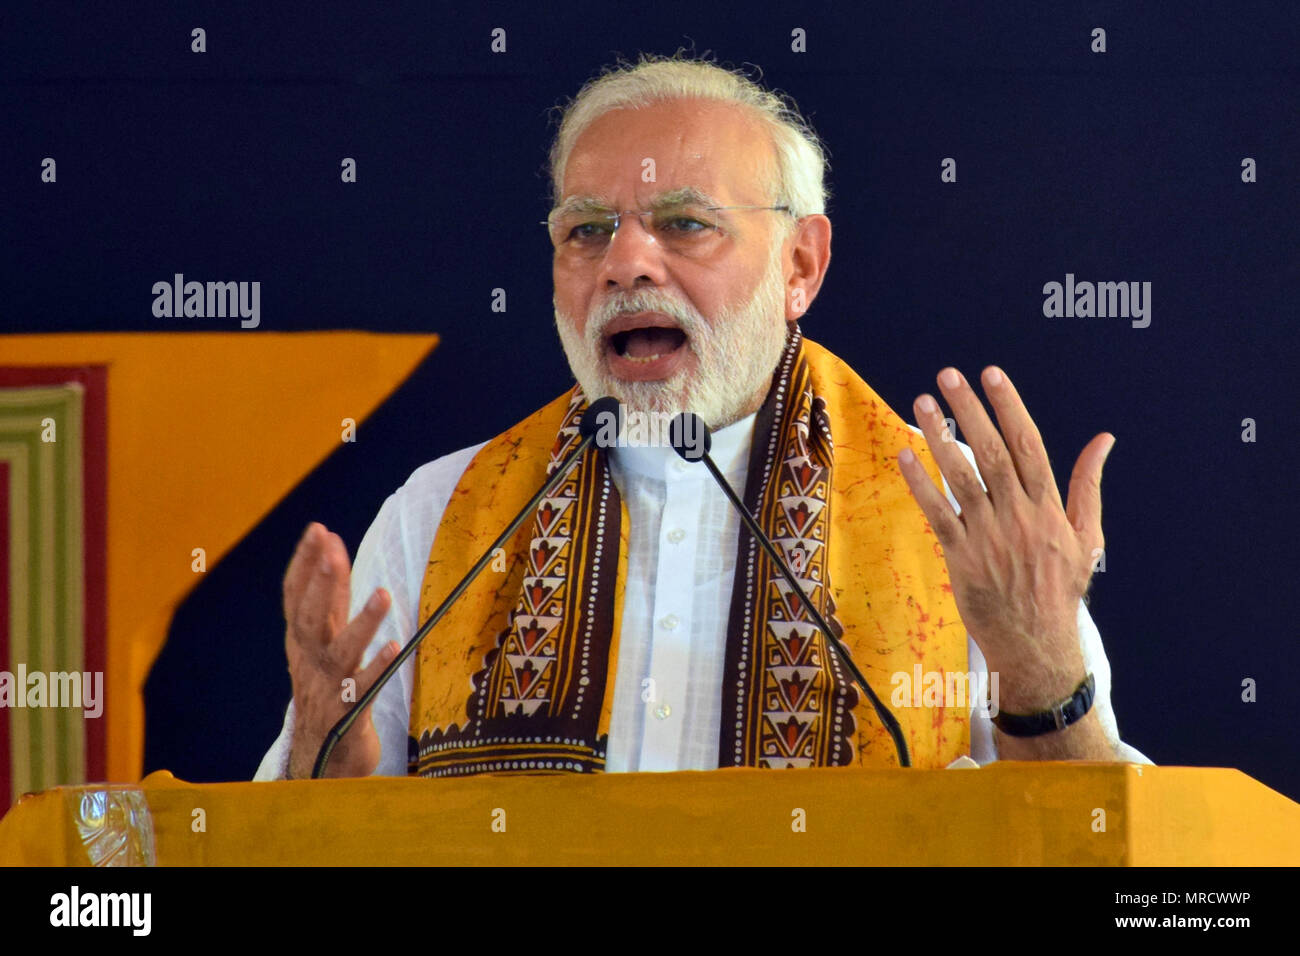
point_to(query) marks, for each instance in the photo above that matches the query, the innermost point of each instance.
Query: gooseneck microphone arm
(598, 414)
(688, 423)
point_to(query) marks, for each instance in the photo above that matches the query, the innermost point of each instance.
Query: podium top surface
(1067, 814)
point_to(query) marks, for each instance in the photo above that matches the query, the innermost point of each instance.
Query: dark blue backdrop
(1116, 166)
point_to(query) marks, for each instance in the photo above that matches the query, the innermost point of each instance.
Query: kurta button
(676, 535)
(669, 622)
(662, 711)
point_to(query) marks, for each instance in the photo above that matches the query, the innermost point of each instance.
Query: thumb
(1083, 507)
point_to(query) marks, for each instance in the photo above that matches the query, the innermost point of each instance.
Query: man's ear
(807, 260)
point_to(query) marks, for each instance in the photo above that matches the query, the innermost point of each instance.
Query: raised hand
(1018, 559)
(325, 649)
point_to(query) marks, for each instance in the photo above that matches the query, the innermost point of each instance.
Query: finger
(1021, 436)
(311, 621)
(337, 554)
(952, 463)
(351, 643)
(371, 673)
(300, 567)
(1084, 507)
(991, 455)
(946, 524)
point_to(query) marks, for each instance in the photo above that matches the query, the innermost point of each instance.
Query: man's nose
(633, 257)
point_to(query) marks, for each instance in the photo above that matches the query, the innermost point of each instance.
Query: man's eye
(585, 231)
(684, 225)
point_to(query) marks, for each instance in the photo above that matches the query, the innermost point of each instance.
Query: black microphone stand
(688, 423)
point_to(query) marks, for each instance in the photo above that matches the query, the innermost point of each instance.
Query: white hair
(800, 156)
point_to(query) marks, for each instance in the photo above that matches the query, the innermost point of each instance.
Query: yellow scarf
(519, 676)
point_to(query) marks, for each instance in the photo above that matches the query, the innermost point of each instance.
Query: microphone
(601, 414)
(691, 439)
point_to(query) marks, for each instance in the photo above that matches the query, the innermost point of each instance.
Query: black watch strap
(1059, 716)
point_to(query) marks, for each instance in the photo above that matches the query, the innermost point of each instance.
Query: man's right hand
(324, 649)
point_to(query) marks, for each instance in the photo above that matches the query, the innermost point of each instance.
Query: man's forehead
(716, 149)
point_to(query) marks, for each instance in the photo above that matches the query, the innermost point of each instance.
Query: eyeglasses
(685, 228)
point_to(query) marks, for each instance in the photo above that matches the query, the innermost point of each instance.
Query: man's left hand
(1019, 560)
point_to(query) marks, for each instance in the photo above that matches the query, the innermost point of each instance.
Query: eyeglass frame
(619, 214)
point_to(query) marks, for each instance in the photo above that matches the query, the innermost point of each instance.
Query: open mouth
(647, 344)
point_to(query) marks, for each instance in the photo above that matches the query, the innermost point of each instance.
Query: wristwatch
(1057, 717)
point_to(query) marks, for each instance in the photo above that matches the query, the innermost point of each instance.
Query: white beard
(737, 352)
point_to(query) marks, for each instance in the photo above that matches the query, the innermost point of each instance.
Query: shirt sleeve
(983, 740)
(393, 555)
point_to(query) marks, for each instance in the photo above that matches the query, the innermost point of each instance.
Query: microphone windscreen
(690, 436)
(604, 414)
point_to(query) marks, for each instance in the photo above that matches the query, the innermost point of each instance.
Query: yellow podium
(1064, 814)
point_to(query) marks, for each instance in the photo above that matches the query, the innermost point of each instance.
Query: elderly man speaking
(632, 623)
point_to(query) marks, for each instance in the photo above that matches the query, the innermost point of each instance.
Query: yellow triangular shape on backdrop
(207, 432)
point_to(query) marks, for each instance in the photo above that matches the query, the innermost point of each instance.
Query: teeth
(643, 360)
